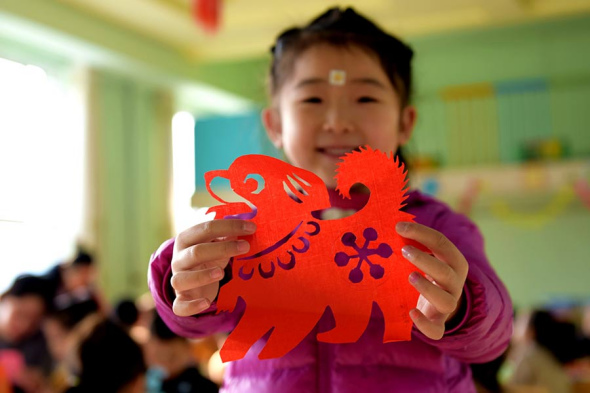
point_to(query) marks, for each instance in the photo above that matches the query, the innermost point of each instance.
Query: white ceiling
(249, 26)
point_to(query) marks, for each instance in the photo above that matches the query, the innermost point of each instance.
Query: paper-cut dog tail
(384, 167)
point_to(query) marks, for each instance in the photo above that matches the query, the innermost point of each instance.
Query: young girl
(24, 355)
(337, 84)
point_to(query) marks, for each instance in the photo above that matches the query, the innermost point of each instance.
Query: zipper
(324, 360)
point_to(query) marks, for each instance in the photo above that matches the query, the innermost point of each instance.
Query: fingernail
(249, 227)
(216, 273)
(243, 246)
(413, 277)
(408, 252)
(402, 226)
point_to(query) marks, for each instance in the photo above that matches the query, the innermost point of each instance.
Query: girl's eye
(312, 100)
(366, 99)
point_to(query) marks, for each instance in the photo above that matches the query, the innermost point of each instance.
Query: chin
(329, 180)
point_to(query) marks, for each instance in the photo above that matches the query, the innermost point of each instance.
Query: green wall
(245, 78)
(544, 264)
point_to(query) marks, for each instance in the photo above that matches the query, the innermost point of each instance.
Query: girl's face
(20, 317)
(315, 119)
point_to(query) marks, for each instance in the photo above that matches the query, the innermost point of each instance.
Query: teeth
(338, 151)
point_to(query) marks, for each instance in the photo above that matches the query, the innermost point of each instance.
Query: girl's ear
(407, 123)
(272, 123)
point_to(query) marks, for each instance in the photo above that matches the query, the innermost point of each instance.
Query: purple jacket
(369, 365)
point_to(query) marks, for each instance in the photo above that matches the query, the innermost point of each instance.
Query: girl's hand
(441, 287)
(200, 255)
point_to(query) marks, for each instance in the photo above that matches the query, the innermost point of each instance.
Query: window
(41, 169)
(183, 172)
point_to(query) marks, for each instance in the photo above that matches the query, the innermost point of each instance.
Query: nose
(338, 119)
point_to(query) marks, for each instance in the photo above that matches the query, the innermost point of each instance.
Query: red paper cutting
(298, 265)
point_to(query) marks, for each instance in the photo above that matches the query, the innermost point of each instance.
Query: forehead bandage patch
(337, 77)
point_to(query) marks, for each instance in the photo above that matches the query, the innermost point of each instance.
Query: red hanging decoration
(207, 13)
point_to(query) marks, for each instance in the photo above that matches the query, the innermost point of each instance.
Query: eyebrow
(313, 81)
(369, 81)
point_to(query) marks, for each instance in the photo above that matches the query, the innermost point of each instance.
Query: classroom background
(111, 111)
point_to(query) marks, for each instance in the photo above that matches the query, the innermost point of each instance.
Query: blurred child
(106, 359)
(24, 355)
(173, 354)
(540, 354)
(336, 84)
(59, 323)
(145, 314)
(75, 280)
(125, 313)
(585, 332)
(58, 327)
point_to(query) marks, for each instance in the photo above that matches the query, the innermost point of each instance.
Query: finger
(210, 230)
(207, 292)
(199, 254)
(185, 308)
(222, 264)
(439, 271)
(441, 300)
(429, 328)
(438, 243)
(185, 280)
(225, 238)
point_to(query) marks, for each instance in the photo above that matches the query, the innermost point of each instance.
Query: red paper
(298, 265)
(208, 14)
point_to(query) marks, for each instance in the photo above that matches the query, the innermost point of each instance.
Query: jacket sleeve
(203, 324)
(484, 330)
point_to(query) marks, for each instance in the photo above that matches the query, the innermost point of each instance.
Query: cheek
(301, 121)
(298, 129)
(382, 132)
(16, 326)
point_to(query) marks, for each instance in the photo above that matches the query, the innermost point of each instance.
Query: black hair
(109, 358)
(27, 284)
(82, 258)
(556, 336)
(160, 330)
(70, 315)
(343, 28)
(125, 313)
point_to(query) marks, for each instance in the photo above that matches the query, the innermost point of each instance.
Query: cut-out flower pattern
(363, 253)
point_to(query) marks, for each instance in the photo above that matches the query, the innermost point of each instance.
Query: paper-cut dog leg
(349, 326)
(287, 336)
(252, 327)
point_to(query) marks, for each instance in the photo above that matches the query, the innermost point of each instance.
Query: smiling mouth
(337, 151)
